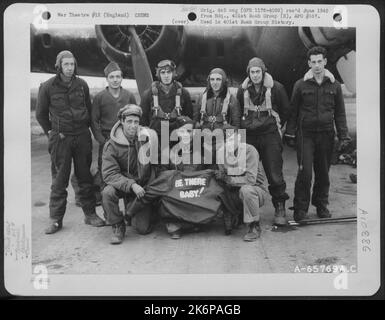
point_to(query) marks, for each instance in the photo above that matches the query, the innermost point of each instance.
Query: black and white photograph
(223, 143)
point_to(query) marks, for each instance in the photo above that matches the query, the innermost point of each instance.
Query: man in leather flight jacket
(166, 100)
(264, 107)
(317, 106)
(63, 111)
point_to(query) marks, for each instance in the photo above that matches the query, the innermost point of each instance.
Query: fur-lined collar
(268, 82)
(118, 136)
(309, 75)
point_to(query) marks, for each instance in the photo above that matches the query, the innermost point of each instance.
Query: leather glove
(344, 144)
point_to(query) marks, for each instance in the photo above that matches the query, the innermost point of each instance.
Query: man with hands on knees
(124, 173)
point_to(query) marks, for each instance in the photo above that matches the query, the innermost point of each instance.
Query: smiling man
(318, 106)
(63, 111)
(106, 105)
(124, 174)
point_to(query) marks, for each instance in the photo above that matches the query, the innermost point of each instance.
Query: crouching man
(244, 182)
(125, 176)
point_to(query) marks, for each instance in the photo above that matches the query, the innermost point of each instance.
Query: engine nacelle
(341, 41)
(159, 42)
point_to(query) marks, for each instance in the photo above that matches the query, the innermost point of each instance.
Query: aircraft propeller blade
(140, 63)
(346, 67)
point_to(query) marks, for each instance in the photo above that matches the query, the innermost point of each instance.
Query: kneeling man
(241, 174)
(125, 176)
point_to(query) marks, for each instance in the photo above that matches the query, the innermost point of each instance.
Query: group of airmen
(261, 107)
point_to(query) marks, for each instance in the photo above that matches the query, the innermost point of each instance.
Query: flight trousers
(63, 150)
(269, 146)
(314, 152)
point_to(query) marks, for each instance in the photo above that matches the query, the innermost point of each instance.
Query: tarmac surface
(82, 249)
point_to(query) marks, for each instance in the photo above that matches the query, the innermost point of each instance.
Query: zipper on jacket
(69, 106)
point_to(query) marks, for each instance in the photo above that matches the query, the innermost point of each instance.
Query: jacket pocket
(308, 97)
(59, 110)
(58, 101)
(78, 107)
(326, 119)
(329, 99)
(51, 140)
(77, 99)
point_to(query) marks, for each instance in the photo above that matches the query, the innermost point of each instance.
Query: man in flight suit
(63, 111)
(264, 108)
(166, 100)
(217, 106)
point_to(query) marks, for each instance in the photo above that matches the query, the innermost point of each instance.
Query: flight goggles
(166, 63)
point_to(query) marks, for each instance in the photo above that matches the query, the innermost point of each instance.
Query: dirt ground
(82, 249)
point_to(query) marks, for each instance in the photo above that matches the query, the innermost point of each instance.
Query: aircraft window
(47, 41)
(220, 49)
